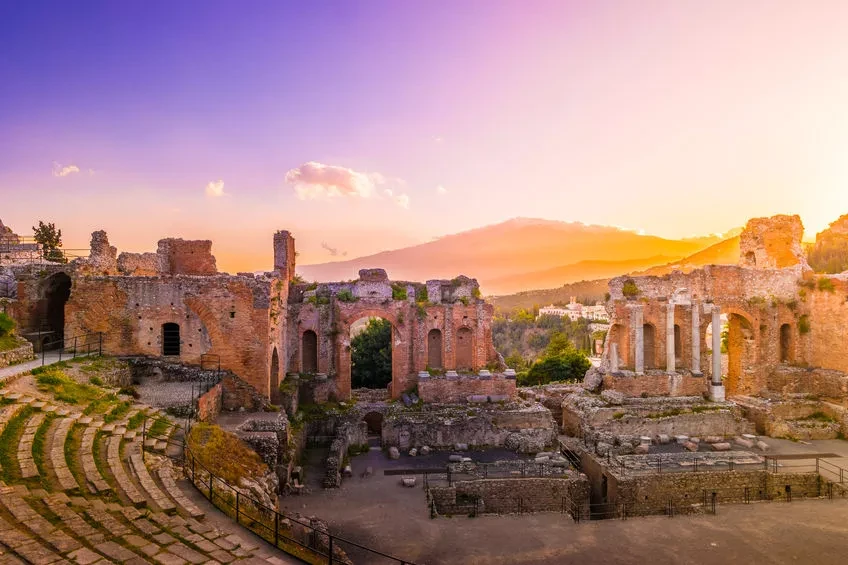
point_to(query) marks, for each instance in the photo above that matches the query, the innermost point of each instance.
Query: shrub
(571, 365)
(7, 324)
(804, 324)
(825, 284)
(630, 290)
(345, 295)
(476, 292)
(399, 291)
(421, 294)
(96, 381)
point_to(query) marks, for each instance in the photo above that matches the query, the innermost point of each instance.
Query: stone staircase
(78, 490)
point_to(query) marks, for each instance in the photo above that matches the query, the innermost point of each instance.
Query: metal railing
(287, 533)
(28, 252)
(72, 347)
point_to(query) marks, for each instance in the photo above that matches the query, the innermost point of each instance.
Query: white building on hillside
(574, 310)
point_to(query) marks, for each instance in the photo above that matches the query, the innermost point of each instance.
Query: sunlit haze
(365, 126)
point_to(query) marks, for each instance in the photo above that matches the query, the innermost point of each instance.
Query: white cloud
(333, 251)
(441, 190)
(60, 171)
(401, 200)
(215, 189)
(314, 180)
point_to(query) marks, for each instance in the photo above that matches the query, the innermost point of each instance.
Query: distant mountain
(513, 249)
(580, 271)
(722, 253)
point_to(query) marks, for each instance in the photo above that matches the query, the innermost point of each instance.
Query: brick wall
(458, 389)
(510, 496)
(209, 404)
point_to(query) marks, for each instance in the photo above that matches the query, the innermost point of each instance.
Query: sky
(369, 125)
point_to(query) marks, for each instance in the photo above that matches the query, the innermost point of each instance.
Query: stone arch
(374, 423)
(649, 345)
(309, 352)
(274, 377)
(741, 352)
(618, 336)
(464, 349)
(347, 315)
(434, 349)
(55, 293)
(171, 339)
(786, 343)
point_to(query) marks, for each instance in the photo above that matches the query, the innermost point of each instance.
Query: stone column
(613, 357)
(717, 393)
(716, 345)
(696, 338)
(636, 324)
(669, 338)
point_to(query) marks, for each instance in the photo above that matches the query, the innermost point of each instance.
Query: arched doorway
(785, 343)
(170, 339)
(649, 346)
(741, 353)
(371, 353)
(678, 348)
(309, 352)
(374, 421)
(275, 378)
(434, 349)
(464, 349)
(57, 291)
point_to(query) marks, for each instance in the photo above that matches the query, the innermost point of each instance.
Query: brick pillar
(696, 338)
(670, 365)
(636, 324)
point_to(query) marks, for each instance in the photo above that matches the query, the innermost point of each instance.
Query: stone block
(750, 437)
(461, 447)
(645, 440)
(641, 449)
(394, 453)
(425, 450)
(613, 397)
(713, 439)
(498, 397)
(509, 374)
(762, 446)
(681, 440)
(690, 446)
(478, 399)
(746, 443)
(413, 452)
(454, 458)
(663, 439)
(721, 446)
(408, 482)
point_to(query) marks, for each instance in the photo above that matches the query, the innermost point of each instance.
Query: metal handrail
(208, 491)
(76, 341)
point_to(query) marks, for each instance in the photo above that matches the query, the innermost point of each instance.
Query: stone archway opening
(309, 352)
(738, 339)
(786, 343)
(274, 378)
(371, 353)
(434, 349)
(170, 339)
(464, 349)
(374, 423)
(57, 291)
(678, 348)
(649, 346)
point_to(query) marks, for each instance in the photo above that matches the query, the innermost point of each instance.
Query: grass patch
(666, 414)
(8, 342)
(96, 381)
(11, 471)
(118, 412)
(225, 454)
(72, 448)
(158, 428)
(619, 415)
(705, 408)
(136, 420)
(819, 417)
(38, 444)
(101, 405)
(65, 389)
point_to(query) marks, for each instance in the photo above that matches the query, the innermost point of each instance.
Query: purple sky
(673, 117)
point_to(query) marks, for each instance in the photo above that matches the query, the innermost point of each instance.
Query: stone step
(25, 455)
(57, 455)
(26, 516)
(113, 457)
(95, 482)
(25, 546)
(166, 475)
(153, 491)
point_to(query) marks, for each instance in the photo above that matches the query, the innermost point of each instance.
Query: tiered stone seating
(25, 460)
(113, 455)
(167, 478)
(94, 481)
(159, 498)
(51, 527)
(57, 455)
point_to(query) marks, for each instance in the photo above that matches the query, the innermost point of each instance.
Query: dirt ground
(377, 511)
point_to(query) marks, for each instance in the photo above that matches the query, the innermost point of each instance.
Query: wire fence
(73, 347)
(291, 534)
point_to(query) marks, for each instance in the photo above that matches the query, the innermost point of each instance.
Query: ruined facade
(774, 311)
(175, 304)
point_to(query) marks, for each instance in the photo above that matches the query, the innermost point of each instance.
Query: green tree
(571, 365)
(559, 345)
(50, 239)
(371, 355)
